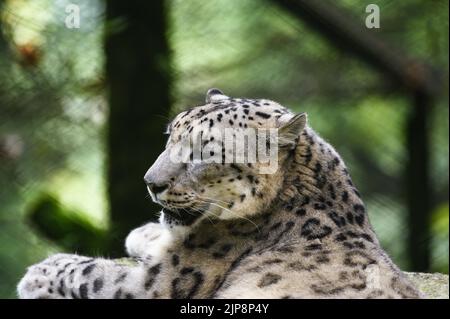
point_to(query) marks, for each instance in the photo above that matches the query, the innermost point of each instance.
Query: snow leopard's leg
(73, 276)
(148, 242)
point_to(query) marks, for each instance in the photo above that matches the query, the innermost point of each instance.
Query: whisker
(184, 210)
(202, 213)
(215, 204)
(213, 199)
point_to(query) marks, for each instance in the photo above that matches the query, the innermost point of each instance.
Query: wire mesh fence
(53, 106)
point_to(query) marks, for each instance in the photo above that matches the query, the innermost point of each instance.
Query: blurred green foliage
(53, 109)
(67, 228)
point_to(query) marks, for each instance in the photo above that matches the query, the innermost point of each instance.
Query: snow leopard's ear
(214, 95)
(290, 130)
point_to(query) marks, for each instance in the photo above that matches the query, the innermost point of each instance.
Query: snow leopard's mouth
(183, 216)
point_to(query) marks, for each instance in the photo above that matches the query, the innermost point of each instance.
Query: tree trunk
(418, 186)
(138, 77)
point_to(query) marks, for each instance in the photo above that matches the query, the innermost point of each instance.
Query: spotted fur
(227, 231)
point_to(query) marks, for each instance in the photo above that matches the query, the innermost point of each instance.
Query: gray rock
(434, 286)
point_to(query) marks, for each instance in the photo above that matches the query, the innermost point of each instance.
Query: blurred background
(83, 108)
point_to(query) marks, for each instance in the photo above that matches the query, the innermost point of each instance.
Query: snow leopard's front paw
(40, 281)
(148, 241)
(35, 284)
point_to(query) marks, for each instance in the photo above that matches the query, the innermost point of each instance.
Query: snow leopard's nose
(161, 173)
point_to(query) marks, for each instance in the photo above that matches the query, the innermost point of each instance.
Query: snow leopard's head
(223, 159)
